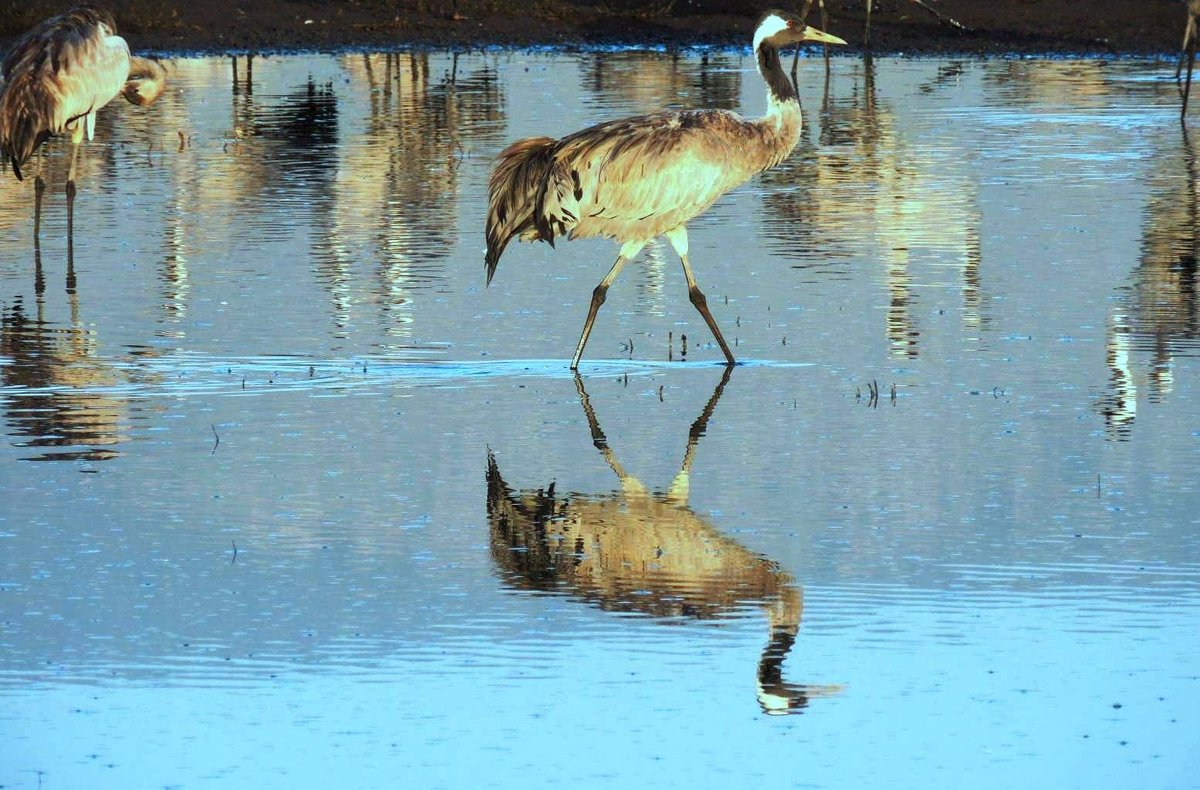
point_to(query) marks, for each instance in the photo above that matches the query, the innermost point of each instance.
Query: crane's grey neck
(771, 69)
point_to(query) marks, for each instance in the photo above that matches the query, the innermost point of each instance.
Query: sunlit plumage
(57, 76)
(637, 178)
(1188, 53)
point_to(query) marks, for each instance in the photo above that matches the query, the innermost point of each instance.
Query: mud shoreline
(1008, 27)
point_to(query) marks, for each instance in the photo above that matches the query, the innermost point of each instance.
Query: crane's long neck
(783, 120)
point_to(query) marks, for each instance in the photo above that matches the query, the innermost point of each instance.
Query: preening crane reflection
(62, 398)
(55, 78)
(637, 178)
(634, 550)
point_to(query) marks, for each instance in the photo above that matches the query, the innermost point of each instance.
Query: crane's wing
(637, 177)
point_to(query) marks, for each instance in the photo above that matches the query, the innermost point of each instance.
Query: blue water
(291, 499)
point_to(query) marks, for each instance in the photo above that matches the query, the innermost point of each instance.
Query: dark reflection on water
(637, 551)
(305, 124)
(1158, 313)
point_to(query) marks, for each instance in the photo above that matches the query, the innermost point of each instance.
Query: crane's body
(637, 178)
(55, 78)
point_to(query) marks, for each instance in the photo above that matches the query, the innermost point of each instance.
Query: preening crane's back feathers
(58, 72)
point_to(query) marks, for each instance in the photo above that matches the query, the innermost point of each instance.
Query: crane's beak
(812, 34)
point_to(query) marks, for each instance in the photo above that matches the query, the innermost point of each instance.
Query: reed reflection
(866, 181)
(1061, 84)
(54, 380)
(397, 178)
(637, 551)
(1159, 311)
(641, 82)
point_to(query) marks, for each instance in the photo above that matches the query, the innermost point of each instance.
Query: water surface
(290, 498)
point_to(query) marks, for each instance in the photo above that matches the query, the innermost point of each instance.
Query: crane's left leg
(599, 294)
(678, 239)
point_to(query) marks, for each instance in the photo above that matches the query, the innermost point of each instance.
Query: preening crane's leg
(678, 239)
(76, 139)
(598, 296)
(1188, 33)
(39, 188)
(867, 35)
(804, 19)
(1193, 34)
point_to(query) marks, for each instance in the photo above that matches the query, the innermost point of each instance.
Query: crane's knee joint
(599, 293)
(697, 297)
(71, 190)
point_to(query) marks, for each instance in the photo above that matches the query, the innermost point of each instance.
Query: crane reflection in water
(639, 551)
(62, 397)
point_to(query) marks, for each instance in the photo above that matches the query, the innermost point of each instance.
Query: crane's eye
(791, 23)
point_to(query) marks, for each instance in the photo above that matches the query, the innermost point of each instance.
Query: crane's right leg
(678, 239)
(598, 296)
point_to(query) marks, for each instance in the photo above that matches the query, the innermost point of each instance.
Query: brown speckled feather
(636, 178)
(633, 178)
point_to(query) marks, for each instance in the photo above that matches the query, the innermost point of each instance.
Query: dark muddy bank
(1097, 27)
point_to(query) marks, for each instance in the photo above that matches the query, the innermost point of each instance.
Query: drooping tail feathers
(512, 195)
(22, 129)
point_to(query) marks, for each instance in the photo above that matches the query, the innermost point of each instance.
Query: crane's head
(147, 81)
(781, 28)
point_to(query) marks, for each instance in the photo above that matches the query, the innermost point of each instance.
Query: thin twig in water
(217, 440)
(235, 552)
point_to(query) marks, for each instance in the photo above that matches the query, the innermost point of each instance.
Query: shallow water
(290, 498)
